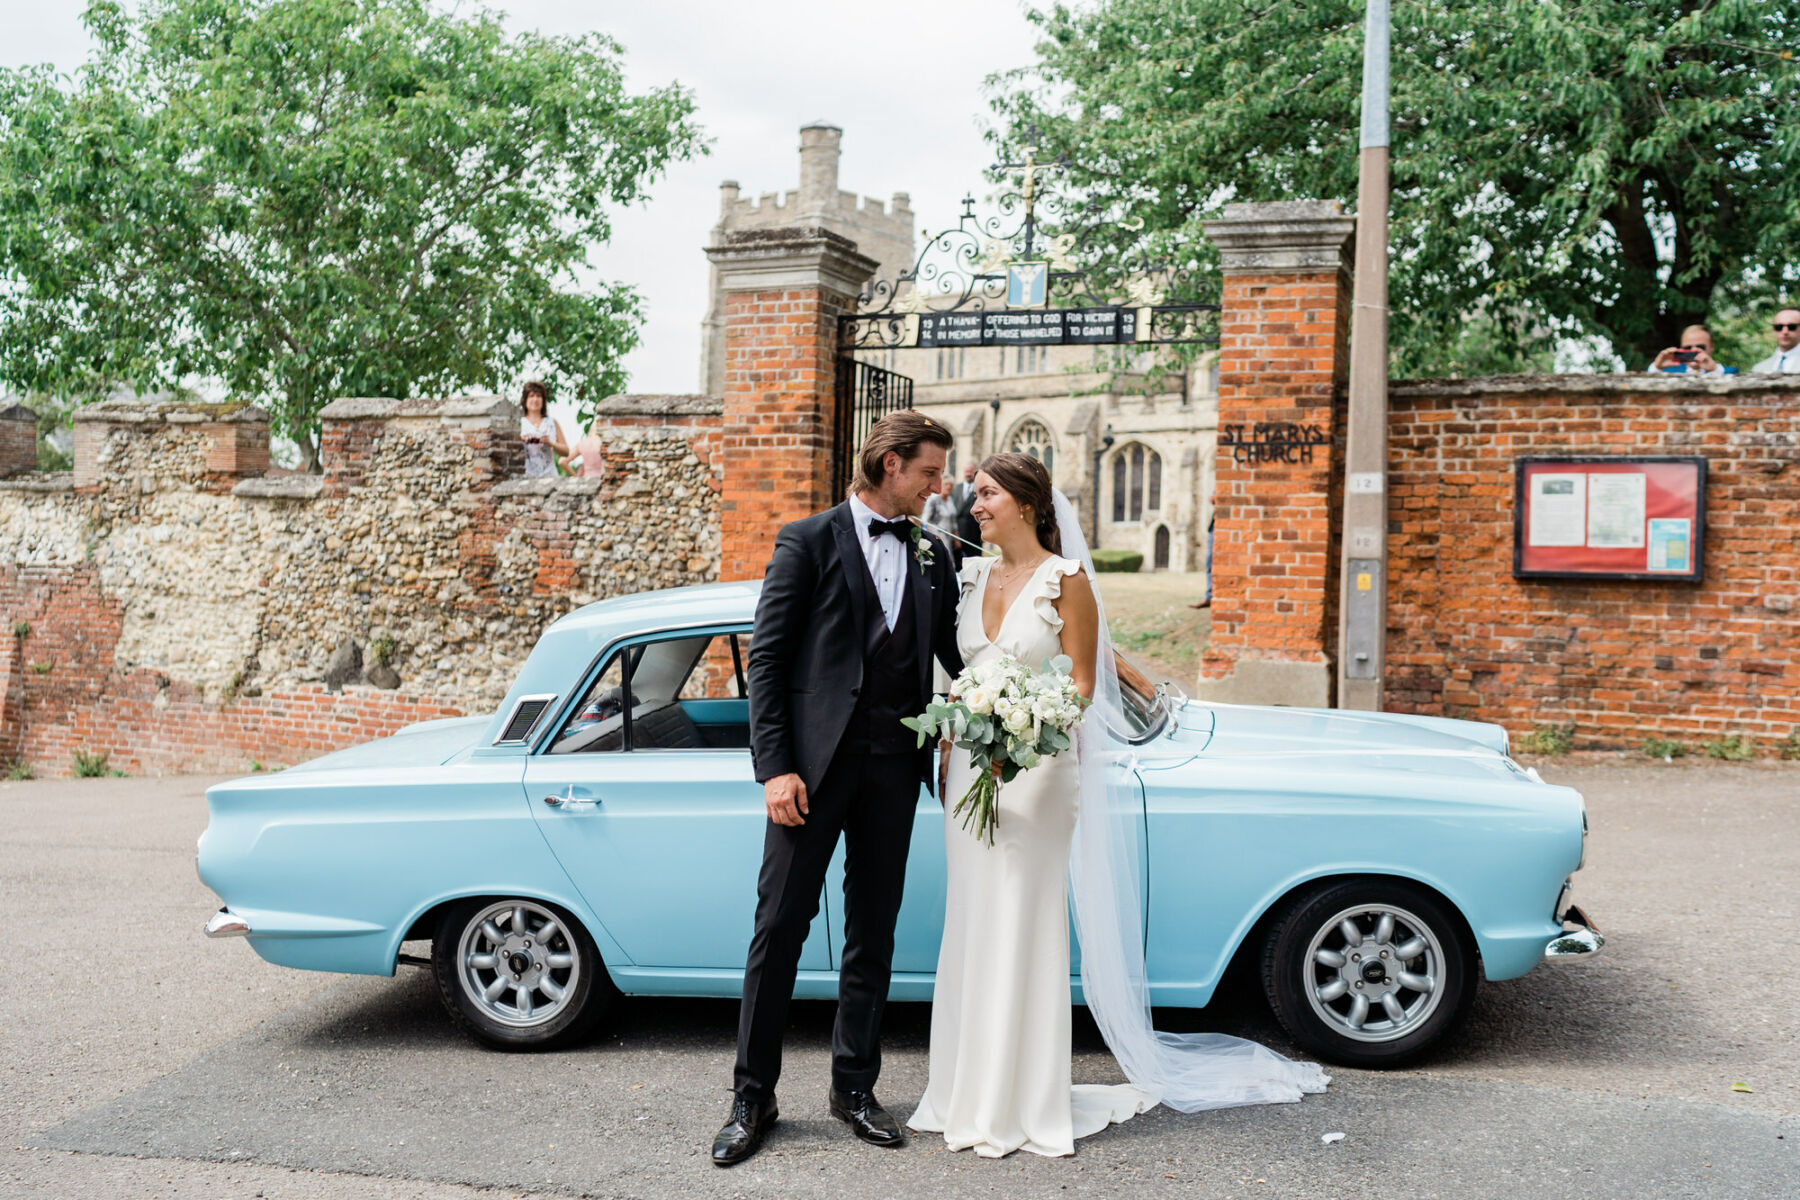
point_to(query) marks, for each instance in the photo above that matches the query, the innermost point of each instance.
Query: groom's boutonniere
(922, 552)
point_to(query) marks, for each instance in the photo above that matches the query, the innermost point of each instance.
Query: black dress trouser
(870, 799)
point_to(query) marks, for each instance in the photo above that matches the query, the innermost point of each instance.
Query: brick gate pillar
(784, 290)
(1284, 358)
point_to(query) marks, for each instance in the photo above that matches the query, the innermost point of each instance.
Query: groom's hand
(785, 798)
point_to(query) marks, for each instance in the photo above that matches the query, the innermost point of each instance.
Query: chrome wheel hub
(1374, 974)
(516, 963)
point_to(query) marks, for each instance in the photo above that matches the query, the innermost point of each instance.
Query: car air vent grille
(524, 719)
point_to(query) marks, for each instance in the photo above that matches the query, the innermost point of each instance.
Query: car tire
(508, 986)
(1413, 959)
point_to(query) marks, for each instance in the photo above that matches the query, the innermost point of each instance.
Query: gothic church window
(1033, 438)
(1137, 469)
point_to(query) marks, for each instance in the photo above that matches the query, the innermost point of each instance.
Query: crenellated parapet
(160, 444)
(363, 436)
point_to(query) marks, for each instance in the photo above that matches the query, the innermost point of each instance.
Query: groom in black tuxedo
(856, 602)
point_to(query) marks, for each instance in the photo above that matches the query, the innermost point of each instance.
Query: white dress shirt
(886, 557)
(1780, 361)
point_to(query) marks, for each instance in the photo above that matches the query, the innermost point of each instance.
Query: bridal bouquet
(1001, 711)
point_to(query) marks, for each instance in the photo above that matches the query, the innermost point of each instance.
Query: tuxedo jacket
(806, 650)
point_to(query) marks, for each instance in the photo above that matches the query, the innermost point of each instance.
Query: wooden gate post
(784, 290)
(1284, 357)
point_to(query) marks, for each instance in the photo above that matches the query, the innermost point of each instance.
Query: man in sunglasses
(1787, 343)
(1693, 357)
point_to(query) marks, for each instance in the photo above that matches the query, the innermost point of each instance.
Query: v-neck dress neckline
(1007, 612)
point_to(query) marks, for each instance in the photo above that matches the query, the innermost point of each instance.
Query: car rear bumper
(1578, 940)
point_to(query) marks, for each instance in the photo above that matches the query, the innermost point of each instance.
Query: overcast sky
(904, 81)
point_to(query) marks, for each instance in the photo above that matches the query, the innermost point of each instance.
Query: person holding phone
(1693, 357)
(538, 430)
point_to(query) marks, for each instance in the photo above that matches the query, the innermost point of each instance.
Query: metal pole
(1362, 607)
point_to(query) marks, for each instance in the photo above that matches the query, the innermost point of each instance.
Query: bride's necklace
(1007, 577)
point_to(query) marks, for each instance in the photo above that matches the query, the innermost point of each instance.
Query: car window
(719, 675)
(675, 693)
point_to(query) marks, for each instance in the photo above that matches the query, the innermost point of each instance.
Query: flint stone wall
(175, 606)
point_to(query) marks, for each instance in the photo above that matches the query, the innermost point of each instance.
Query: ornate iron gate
(865, 394)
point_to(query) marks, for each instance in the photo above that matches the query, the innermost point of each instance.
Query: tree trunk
(309, 453)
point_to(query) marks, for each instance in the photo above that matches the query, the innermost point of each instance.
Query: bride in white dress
(1000, 1022)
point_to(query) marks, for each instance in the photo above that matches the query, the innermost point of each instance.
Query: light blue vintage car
(585, 839)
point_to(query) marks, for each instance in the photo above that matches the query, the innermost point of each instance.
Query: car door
(646, 795)
(920, 929)
(918, 934)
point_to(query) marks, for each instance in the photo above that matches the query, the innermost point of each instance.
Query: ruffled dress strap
(1049, 589)
(973, 568)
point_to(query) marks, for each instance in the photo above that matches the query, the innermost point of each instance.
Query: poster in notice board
(1613, 518)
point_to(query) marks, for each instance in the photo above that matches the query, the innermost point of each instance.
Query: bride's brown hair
(1024, 479)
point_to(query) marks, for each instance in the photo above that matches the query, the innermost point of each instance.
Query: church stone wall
(172, 605)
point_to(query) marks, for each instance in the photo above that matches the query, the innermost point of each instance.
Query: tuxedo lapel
(922, 609)
(853, 564)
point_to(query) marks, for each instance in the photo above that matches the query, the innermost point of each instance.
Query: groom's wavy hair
(905, 432)
(1026, 480)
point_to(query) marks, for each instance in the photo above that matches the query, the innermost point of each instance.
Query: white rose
(1018, 720)
(980, 700)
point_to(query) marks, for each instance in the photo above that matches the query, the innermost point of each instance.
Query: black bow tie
(900, 527)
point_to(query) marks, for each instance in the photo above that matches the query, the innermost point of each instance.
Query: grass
(91, 764)
(1148, 616)
(17, 769)
(1790, 745)
(1665, 748)
(1735, 748)
(1549, 740)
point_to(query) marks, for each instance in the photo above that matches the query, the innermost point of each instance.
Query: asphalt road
(138, 1059)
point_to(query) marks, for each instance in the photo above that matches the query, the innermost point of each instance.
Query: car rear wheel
(1369, 972)
(518, 974)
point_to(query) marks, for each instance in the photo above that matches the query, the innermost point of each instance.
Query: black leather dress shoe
(865, 1116)
(743, 1132)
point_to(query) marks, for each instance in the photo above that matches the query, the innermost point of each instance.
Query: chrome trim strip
(226, 923)
(549, 699)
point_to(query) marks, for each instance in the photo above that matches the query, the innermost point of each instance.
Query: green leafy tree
(307, 199)
(1560, 167)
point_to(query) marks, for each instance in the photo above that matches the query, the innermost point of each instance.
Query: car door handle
(573, 799)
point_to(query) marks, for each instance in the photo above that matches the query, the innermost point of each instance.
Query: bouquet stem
(980, 806)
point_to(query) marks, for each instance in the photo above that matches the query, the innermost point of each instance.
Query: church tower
(884, 232)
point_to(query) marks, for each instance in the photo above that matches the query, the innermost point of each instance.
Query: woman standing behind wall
(542, 436)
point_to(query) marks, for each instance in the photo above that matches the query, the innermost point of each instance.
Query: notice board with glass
(1615, 518)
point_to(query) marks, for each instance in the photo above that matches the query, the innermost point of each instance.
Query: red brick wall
(18, 445)
(1620, 661)
(780, 377)
(1284, 344)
